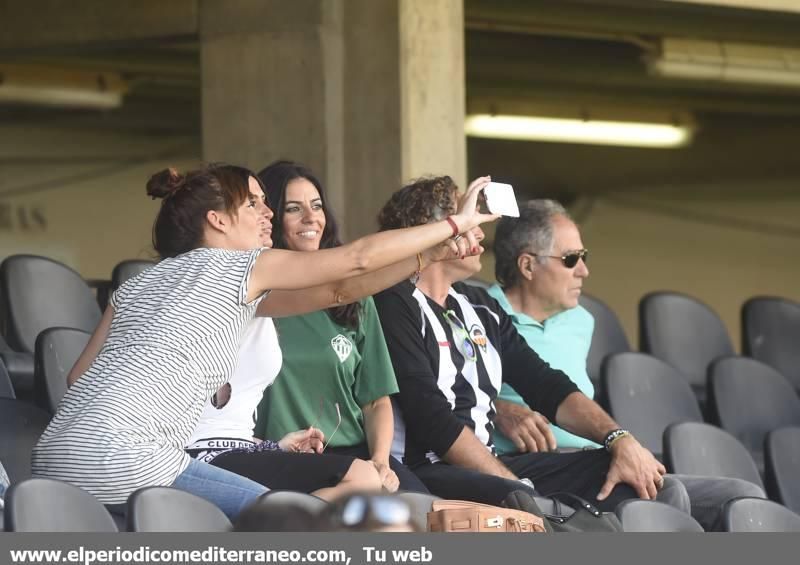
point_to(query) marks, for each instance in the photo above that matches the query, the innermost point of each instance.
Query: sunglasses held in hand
(319, 417)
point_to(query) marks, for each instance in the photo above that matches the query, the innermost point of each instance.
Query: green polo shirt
(563, 341)
(324, 364)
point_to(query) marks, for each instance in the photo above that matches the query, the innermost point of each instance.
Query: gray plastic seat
(645, 395)
(45, 505)
(637, 515)
(309, 502)
(750, 399)
(770, 330)
(128, 269)
(758, 515)
(420, 504)
(39, 293)
(782, 466)
(19, 367)
(683, 332)
(166, 509)
(694, 448)
(57, 350)
(6, 388)
(21, 424)
(608, 337)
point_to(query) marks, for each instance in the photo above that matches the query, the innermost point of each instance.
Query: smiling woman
(334, 357)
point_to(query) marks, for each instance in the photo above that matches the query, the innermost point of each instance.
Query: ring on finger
(457, 237)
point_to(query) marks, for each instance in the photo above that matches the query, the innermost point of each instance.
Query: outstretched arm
(287, 270)
(281, 303)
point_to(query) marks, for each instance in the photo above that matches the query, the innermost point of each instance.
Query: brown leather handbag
(465, 516)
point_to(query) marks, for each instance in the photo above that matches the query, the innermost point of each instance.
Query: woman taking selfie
(169, 338)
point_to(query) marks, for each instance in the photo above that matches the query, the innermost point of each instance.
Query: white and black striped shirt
(450, 363)
(173, 342)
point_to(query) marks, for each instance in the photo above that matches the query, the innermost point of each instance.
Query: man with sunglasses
(452, 347)
(540, 265)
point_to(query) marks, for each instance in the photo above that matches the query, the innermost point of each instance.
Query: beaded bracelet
(267, 445)
(613, 436)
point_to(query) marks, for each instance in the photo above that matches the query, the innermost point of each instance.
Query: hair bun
(165, 183)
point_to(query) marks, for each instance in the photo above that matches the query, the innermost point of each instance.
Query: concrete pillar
(367, 93)
(432, 85)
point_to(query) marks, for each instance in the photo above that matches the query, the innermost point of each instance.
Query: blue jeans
(228, 491)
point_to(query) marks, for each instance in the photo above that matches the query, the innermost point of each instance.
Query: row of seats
(37, 293)
(688, 335)
(756, 407)
(644, 394)
(44, 505)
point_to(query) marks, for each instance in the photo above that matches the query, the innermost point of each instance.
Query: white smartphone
(500, 199)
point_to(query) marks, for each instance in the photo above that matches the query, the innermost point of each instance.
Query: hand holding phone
(500, 199)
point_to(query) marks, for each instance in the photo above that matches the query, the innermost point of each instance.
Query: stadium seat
(6, 388)
(420, 504)
(695, 448)
(637, 515)
(39, 293)
(608, 337)
(166, 509)
(685, 333)
(57, 350)
(19, 367)
(308, 502)
(21, 424)
(770, 327)
(128, 269)
(645, 395)
(758, 515)
(782, 466)
(45, 505)
(749, 399)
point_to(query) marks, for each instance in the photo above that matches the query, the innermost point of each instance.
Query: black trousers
(581, 473)
(408, 480)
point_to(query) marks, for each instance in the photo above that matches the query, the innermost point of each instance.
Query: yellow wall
(93, 198)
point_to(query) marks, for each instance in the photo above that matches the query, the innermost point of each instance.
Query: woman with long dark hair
(336, 369)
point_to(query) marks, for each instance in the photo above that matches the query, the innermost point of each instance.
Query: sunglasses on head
(569, 260)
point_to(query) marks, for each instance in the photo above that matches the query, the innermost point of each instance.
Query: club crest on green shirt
(342, 346)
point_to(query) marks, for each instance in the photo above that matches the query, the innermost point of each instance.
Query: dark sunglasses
(569, 260)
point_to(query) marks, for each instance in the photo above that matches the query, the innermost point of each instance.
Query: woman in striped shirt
(169, 338)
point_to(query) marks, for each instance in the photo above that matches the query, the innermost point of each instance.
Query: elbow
(341, 296)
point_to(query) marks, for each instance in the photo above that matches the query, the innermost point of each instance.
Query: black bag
(577, 516)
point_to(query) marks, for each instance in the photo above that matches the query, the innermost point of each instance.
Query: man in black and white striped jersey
(452, 346)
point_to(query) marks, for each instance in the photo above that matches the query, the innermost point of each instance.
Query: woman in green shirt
(336, 373)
